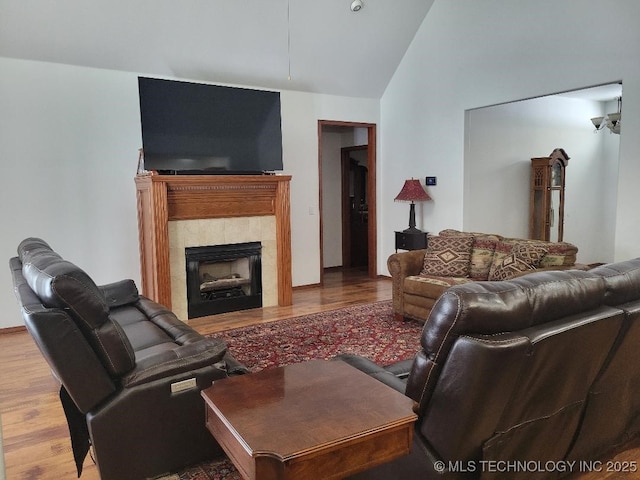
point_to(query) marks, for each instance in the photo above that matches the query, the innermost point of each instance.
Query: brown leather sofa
(130, 371)
(543, 369)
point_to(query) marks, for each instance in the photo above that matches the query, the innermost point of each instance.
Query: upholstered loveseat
(453, 257)
(539, 374)
(130, 372)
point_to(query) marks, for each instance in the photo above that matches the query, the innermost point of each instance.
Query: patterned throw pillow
(484, 245)
(558, 253)
(522, 258)
(482, 252)
(448, 256)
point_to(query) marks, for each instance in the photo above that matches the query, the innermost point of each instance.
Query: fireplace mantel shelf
(163, 198)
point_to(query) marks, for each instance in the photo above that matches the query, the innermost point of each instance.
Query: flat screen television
(195, 128)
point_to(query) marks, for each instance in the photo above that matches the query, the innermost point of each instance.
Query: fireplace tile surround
(221, 231)
(179, 211)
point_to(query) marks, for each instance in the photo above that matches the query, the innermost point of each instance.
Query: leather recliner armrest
(233, 366)
(182, 359)
(374, 370)
(400, 369)
(120, 293)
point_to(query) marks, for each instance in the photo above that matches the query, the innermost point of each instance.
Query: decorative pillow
(482, 252)
(448, 256)
(558, 253)
(522, 258)
(503, 249)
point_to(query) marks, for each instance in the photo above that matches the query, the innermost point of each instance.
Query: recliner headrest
(61, 284)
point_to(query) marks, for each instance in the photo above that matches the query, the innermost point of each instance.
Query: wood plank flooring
(35, 435)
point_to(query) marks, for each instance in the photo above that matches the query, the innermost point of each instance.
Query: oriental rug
(369, 330)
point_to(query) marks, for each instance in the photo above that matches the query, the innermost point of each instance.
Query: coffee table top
(289, 410)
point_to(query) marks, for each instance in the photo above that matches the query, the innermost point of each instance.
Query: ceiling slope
(321, 44)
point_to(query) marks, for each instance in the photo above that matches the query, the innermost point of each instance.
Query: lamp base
(412, 220)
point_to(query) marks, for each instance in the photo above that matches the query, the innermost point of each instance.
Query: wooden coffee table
(318, 419)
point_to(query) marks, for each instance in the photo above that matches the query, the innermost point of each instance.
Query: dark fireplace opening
(223, 278)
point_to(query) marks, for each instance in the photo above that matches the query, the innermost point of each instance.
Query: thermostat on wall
(431, 181)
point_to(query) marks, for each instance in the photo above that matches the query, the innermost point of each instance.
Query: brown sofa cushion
(522, 257)
(448, 256)
(431, 286)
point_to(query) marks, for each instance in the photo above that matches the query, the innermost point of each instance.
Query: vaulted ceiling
(321, 45)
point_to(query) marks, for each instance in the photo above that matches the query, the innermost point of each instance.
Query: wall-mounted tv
(195, 128)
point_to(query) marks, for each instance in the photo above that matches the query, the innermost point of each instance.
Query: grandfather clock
(546, 205)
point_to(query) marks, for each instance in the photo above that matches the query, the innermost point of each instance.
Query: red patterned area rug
(369, 330)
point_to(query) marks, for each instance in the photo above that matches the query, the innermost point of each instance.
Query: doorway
(347, 203)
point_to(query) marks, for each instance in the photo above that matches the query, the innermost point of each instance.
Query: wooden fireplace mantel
(162, 198)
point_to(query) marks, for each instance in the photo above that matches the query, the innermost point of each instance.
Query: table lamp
(412, 191)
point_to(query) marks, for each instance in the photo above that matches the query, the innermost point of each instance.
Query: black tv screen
(200, 128)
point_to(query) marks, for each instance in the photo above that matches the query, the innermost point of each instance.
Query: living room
(70, 134)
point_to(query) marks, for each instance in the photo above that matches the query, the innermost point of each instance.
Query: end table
(411, 240)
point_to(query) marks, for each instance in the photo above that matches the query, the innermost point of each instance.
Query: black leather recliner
(130, 371)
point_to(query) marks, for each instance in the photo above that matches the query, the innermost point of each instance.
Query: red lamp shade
(412, 191)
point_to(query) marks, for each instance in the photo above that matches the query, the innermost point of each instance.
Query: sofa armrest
(373, 370)
(233, 366)
(400, 369)
(402, 265)
(120, 293)
(182, 359)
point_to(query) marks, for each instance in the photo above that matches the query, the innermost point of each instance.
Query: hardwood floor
(340, 289)
(34, 431)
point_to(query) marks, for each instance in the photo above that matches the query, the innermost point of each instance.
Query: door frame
(371, 191)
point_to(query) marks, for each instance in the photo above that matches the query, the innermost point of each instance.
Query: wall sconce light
(612, 120)
(412, 191)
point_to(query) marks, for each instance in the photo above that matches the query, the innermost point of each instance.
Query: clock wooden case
(546, 209)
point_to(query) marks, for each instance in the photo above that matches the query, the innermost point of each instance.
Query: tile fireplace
(223, 278)
(181, 211)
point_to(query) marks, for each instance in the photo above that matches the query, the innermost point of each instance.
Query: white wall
(501, 140)
(469, 54)
(332, 142)
(69, 139)
(609, 171)
(300, 115)
(68, 148)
